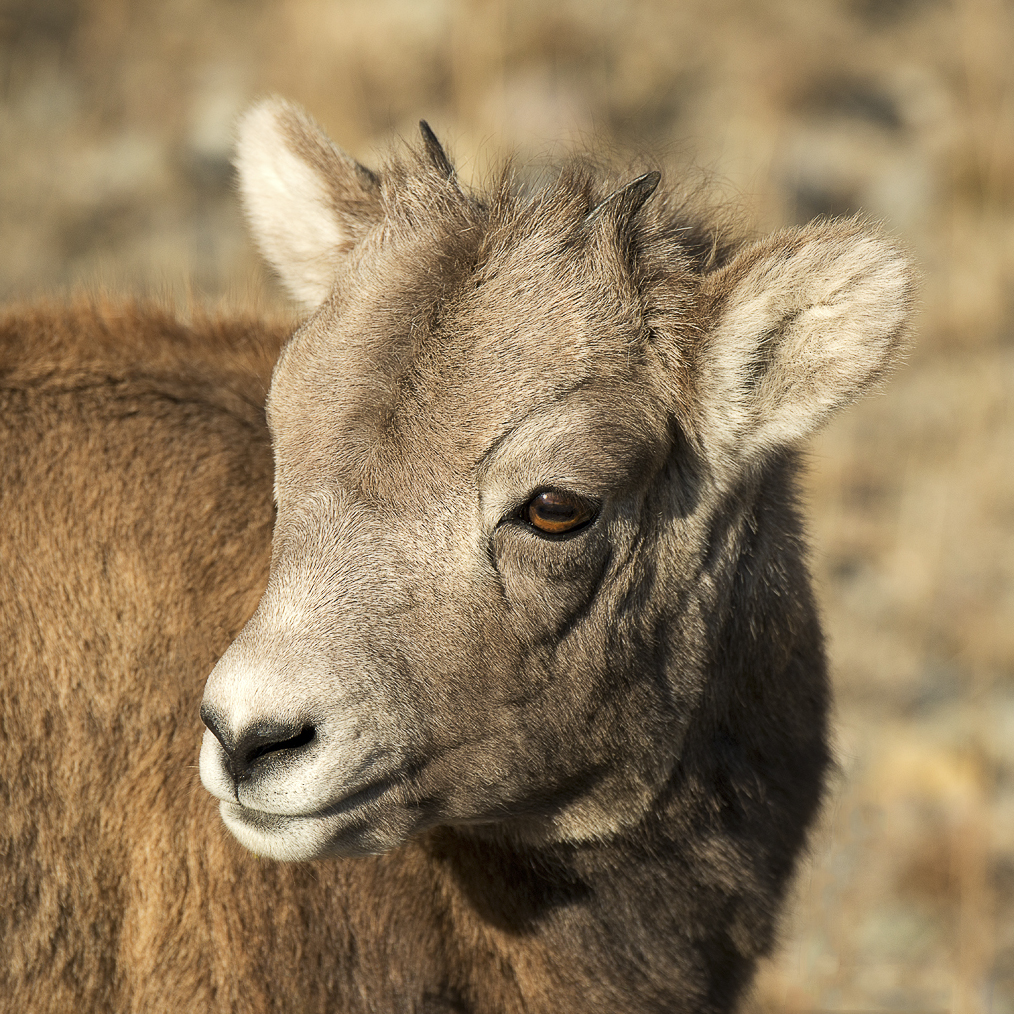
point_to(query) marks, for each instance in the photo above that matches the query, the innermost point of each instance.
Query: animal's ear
(307, 201)
(804, 322)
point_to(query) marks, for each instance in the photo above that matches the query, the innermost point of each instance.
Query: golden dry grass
(115, 122)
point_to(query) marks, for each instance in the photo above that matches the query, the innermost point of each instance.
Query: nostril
(258, 744)
(255, 744)
(262, 744)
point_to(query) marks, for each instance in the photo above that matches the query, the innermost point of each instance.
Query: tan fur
(586, 765)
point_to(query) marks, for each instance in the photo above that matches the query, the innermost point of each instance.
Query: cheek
(547, 583)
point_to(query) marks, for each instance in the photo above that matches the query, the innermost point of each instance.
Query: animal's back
(135, 537)
(124, 434)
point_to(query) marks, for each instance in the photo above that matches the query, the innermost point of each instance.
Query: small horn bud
(435, 151)
(626, 202)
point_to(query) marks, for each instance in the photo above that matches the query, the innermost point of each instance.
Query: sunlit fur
(546, 774)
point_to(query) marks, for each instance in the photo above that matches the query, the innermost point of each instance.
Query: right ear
(807, 320)
(307, 202)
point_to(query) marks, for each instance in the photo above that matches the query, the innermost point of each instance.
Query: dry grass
(115, 119)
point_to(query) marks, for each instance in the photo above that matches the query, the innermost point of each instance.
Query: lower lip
(343, 829)
(274, 836)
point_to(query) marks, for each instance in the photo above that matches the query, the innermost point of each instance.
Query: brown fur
(623, 842)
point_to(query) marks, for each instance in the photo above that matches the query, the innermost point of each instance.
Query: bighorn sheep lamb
(529, 680)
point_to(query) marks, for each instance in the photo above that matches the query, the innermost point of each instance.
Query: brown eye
(555, 512)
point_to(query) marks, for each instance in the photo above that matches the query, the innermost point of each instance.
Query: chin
(299, 838)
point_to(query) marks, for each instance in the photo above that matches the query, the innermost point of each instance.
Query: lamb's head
(514, 444)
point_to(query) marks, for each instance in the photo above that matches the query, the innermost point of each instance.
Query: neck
(650, 921)
(671, 915)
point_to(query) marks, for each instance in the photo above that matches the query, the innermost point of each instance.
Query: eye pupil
(554, 508)
(556, 512)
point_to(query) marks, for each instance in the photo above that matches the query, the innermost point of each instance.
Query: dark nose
(260, 745)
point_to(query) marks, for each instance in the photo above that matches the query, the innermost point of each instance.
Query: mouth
(353, 800)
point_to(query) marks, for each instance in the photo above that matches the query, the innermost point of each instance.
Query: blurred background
(116, 121)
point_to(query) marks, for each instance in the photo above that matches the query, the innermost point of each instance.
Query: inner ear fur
(804, 322)
(306, 200)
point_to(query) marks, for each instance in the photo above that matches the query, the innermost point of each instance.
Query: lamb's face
(454, 628)
(500, 443)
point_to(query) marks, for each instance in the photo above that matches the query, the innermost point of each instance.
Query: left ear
(307, 202)
(805, 322)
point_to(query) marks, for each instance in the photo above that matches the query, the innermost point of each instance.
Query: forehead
(436, 348)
